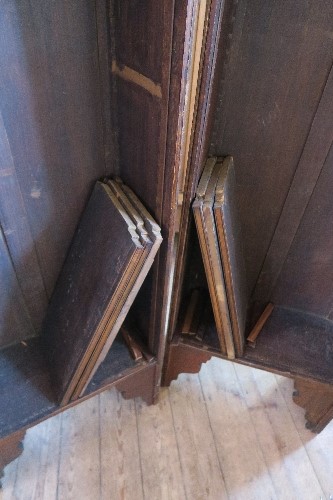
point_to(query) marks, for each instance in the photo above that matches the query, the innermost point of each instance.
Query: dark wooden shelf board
(292, 343)
(295, 342)
(25, 387)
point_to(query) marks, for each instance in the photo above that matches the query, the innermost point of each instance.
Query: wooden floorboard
(230, 432)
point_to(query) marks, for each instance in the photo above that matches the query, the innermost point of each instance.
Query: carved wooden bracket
(183, 358)
(317, 399)
(11, 447)
(143, 385)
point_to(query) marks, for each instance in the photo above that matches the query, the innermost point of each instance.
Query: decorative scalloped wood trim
(317, 400)
(142, 386)
(11, 447)
(183, 358)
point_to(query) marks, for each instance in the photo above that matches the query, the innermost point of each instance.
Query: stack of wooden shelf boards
(218, 228)
(112, 251)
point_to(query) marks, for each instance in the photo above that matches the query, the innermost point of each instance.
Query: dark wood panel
(279, 61)
(219, 16)
(19, 240)
(139, 119)
(15, 322)
(139, 28)
(107, 85)
(143, 39)
(306, 280)
(308, 170)
(51, 108)
(296, 343)
(99, 266)
(25, 387)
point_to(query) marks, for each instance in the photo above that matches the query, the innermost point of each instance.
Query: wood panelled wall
(52, 131)
(275, 118)
(143, 34)
(84, 91)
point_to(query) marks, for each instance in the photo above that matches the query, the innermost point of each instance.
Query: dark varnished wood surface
(26, 391)
(101, 259)
(306, 280)
(25, 387)
(15, 322)
(141, 47)
(52, 126)
(10, 448)
(291, 343)
(278, 64)
(295, 342)
(218, 20)
(21, 247)
(145, 47)
(317, 400)
(311, 169)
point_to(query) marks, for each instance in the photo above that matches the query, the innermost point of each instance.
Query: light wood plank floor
(229, 432)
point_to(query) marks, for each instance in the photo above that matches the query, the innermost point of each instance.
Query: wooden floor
(229, 432)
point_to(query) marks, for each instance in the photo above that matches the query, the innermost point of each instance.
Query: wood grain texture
(290, 468)
(25, 387)
(207, 233)
(160, 463)
(317, 400)
(195, 413)
(230, 407)
(181, 359)
(218, 16)
(296, 343)
(303, 190)
(141, 47)
(42, 454)
(51, 110)
(26, 391)
(15, 320)
(150, 242)
(278, 65)
(19, 240)
(87, 295)
(119, 446)
(228, 228)
(305, 281)
(315, 446)
(105, 41)
(144, 133)
(81, 475)
(10, 448)
(202, 477)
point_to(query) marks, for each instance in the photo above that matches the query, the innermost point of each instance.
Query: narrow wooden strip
(130, 75)
(196, 33)
(251, 339)
(120, 455)
(230, 243)
(246, 474)
(160, 460)
(79, 471)
(133, 347)
(313, 157)
(202, 475)
(216, 265)
(191, 311)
